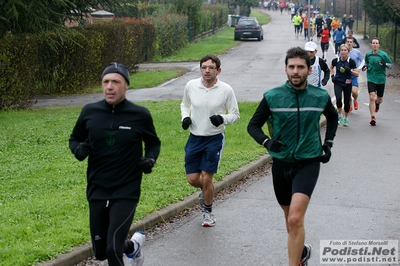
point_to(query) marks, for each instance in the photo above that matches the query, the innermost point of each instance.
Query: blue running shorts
(354, 81)
(203, 153)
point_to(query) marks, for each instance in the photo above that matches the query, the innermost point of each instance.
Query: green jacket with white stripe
(295, 115)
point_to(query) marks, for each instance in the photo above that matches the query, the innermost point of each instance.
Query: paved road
(356, 198)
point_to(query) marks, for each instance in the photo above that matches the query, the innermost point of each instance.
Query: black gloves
(186, 122)
(216, 120)
(347, 69)
(333, 79)
(83, 150)
(323, 82)
(274, 144)
(147, 164)
(327, 149)
(365, 67)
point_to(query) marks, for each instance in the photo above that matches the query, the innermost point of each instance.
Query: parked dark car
(247, 28)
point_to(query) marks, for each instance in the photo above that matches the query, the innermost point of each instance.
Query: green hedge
(47, 64)
(18, 58)
(386, 35)
(171, 32)
(68, 63)
(211, 17)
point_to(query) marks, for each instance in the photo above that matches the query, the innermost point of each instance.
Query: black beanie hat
(117, 68)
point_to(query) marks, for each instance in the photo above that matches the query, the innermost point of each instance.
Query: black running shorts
(290, 178)
(378, 88)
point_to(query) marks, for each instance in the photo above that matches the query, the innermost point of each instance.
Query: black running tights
(109, 226)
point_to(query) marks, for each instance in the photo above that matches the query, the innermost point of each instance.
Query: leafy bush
(171, 32)
(68, 63)
(50, 64)
(386, 35)
(17, 68)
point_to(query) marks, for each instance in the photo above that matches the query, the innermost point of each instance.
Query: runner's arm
(261, 115)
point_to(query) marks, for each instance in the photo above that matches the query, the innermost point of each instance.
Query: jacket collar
(117, 107)
(290, 88)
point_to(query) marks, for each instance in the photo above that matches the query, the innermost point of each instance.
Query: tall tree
(27, 16)
(378, 11)
(395, 6)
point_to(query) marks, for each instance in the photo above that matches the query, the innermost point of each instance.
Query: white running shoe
(208, 219)
(136, 258)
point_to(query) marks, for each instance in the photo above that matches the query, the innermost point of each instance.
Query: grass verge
(43, 207)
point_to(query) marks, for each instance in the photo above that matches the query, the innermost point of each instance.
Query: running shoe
(201, 200)
(136, 258)
(351, 110)
(376, 106)
(355, 105)
(304, 260)
(373, 121)
(340, 120)
(208, 219)
(345, 122)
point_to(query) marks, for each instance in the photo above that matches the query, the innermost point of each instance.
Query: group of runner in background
(348, 61)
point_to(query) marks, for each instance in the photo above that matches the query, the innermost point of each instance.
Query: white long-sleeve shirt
(199, 103)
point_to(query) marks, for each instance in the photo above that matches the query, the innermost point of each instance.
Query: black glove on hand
(147, 164)
(216, 120)
(365, 67)
(327, 149)
(382, 63)
(347, 69)
(323, 82)
(83, 150)
(333, 79)
(274, 144)
(186, 122)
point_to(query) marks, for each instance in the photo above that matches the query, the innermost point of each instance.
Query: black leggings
(337, 47)
(109, 226)
(346, 90)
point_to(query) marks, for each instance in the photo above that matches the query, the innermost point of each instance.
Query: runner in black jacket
(111, 133)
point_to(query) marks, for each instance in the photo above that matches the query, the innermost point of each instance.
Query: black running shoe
(376, 107)
(373, 121)
(304, 260)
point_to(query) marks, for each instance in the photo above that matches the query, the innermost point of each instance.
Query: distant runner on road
(376, 63)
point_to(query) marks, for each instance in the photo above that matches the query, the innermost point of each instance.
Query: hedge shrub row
(50, 63)
(387, 35)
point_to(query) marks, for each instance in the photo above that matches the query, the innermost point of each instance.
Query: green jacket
(377, 73)
(295, 115)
